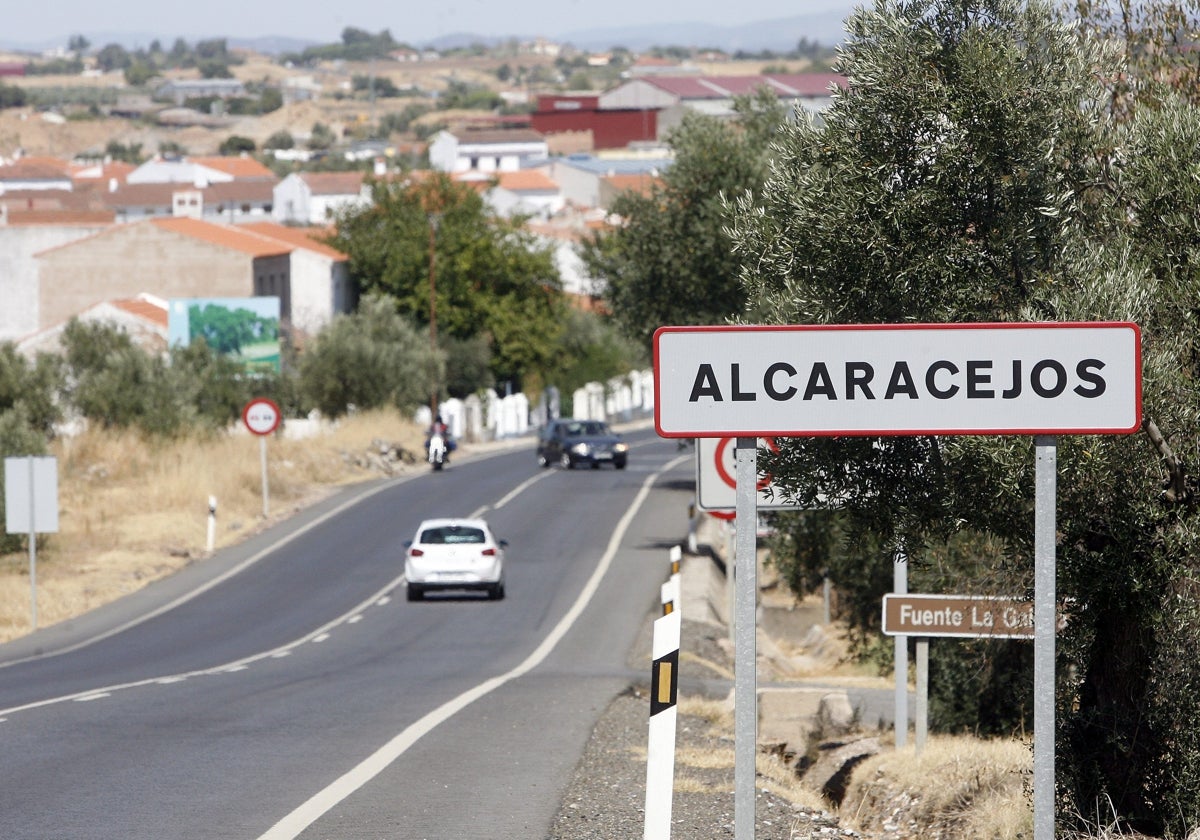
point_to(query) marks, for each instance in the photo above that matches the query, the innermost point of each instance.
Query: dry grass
(959, 787)
(132, 510)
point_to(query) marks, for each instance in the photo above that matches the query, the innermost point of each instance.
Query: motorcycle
(437, 451)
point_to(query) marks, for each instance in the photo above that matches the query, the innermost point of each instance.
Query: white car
(454, 554)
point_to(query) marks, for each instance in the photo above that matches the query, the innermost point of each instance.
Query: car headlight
(581, 449)
(621, 447)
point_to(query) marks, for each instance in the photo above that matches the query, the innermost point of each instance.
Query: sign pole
(900, 587)
(262, 440)
(745, 686)
(32, 547)
(1044, 621)
(921, 726)
(262, 417)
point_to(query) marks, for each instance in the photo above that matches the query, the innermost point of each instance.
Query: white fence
(493, 417)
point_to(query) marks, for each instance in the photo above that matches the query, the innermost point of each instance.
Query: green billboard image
(246, 329)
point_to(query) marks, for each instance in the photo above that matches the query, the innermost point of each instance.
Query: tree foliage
(372, 358)
(971, 172)
(1158, 40)
(487, 277)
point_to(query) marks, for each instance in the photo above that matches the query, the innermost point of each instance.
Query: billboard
(244, 329)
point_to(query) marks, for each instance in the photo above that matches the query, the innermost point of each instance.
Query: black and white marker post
(660, 747)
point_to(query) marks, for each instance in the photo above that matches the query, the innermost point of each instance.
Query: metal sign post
(1044, 626)
(900, 654)
(745, 684)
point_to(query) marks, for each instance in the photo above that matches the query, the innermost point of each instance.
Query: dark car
(569, 443)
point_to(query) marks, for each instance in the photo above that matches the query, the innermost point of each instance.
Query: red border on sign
(261, 401)
(1014, 325)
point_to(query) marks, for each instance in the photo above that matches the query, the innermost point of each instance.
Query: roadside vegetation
(133, 506)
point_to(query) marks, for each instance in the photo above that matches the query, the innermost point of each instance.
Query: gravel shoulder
(605, 799)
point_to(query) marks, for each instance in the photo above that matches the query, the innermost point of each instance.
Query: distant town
(132, 176)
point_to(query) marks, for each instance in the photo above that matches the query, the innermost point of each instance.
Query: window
(452, 535)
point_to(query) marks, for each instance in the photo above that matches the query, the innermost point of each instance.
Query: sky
(413, 21)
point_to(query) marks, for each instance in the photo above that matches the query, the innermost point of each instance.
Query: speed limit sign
(261, 416)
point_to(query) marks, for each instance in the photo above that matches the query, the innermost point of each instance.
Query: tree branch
(1175, 487)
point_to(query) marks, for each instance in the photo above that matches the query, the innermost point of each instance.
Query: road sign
(716, 487)
(898, 379)
(261, 416)
(966, 616)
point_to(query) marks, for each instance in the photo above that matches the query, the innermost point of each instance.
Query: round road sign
(261, 416)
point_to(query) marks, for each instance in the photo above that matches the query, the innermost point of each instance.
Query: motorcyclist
(442, 431)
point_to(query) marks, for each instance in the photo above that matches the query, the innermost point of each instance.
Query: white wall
(619, 399)
(19, 271)
(319, 290)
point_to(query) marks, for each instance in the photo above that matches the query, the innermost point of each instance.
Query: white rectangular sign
(902, 379)
(31, 495)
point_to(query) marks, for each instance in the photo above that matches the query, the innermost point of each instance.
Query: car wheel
(496, 593)
(619, 464)
(415, 593)
(565, 462)
(543, 461)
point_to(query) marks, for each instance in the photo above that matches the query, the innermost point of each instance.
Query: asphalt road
(286, 689)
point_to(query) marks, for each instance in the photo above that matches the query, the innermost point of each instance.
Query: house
(320, 277)
(100, 174)
(647, 107)
(35, 173)
(169, 258)
(200, 171)
(300, 89)
(225, 201)
(142, 318)
(671, 96)
(314, 198)
(557, 115)
(563, 236)
(181, 90)
(487, 150)
(591, 181)
(22, 235)
(529, 192)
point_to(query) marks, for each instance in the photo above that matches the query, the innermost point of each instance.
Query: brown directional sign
(975, 617)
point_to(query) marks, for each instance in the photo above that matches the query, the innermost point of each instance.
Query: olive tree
(971, 172)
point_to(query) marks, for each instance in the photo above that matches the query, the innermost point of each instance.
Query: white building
(315, 198)
(488, 150)
(529, 192)
(320, 276)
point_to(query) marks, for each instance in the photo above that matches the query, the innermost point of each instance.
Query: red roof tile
(307, 238)
(145, 309)
(225, 236)
(238, 166)
(526, 180)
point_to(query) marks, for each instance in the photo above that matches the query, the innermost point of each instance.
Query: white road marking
(292, 825)
(200, 590)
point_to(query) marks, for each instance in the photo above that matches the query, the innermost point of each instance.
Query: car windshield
(589, 428)
(451, 535)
